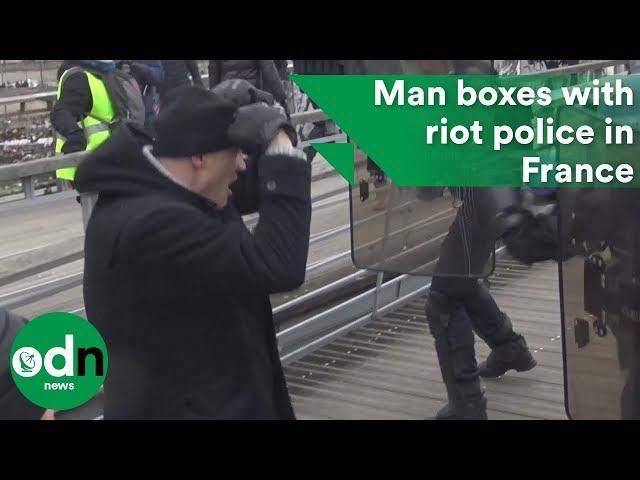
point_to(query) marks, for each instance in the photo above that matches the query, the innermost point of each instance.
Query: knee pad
(438, 310)
(451, 328)
(447, 315)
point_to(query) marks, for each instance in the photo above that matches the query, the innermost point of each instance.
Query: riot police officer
(458, 304)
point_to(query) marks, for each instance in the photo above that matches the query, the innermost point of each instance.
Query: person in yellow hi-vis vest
(83, 111)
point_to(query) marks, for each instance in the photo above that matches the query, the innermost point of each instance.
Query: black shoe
(474, 411)
(513, 355)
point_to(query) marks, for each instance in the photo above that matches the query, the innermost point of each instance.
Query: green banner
(485, 131)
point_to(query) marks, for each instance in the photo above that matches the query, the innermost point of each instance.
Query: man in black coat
(263, 74)
(14, 405)
(174, 281)
(176, 75)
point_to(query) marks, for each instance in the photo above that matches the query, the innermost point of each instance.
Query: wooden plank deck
(389, 370)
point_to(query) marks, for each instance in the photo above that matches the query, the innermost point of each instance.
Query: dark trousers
(467, 303)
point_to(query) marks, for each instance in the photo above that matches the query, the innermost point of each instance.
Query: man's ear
(197, 161)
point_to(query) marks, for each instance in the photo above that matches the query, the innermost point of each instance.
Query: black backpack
(126, 96)
(124, 93)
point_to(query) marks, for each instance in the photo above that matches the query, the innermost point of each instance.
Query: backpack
(124, 93)
(126, 96)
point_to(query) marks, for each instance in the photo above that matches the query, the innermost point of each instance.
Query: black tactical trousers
(466, 303)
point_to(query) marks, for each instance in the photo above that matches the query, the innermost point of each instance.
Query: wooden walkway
(389, 370)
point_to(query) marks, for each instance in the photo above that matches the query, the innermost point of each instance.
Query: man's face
(216, 172)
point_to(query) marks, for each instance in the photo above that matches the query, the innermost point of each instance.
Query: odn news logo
(59, 361)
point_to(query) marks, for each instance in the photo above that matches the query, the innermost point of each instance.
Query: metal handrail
(579, 68)
(41, 96)
(39, 166)
(31, 97)
(599, 64)
(51, 95)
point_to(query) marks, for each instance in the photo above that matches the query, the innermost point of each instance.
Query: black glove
(256, 125)
(536, 239)
(241, 92)
(76, 142)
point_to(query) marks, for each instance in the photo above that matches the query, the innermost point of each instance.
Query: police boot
(513, 355)
(509, 350)
(453, 334)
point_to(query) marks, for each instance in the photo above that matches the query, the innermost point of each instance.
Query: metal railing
(26, 171)
(49, 96)
(593, 67)
(569, 69)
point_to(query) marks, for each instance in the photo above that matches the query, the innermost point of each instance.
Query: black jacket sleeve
(13, 405)
(271, 80)
(170, 241)
(10, 326)
(215, 73)
(246, 190)
(192, 66)
(74, 104)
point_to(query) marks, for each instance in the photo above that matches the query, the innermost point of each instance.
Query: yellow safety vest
(95, 124)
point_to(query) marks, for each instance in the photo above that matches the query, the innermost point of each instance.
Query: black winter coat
(180, 289)
(261, 73)
(13, 404)
(176, 75)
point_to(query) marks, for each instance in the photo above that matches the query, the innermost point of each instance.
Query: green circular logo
(59, 361)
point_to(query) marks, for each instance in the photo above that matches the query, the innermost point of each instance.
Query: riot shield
(600, 286)
(445, 231)
(407, 229)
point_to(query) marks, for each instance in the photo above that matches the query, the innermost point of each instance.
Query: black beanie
(193, 121)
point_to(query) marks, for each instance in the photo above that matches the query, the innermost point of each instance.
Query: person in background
(83, 110)
(149, 74)
(263, 74)
(281, 66)
(323, 128)
(176, 74)
(14, 405)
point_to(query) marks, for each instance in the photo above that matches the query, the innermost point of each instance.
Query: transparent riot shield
(443, 231)
(446, 231)
(600, 287)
